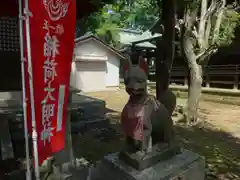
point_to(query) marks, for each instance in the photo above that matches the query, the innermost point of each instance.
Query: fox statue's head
(135, 78)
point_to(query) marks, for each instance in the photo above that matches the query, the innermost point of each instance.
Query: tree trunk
(165, 47)
(194, 92)
(195, 55)
(195, 73)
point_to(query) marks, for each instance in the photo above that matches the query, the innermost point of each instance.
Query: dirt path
(115, 100)
(223, 117)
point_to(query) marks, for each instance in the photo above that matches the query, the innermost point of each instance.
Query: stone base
(159, 153)
(185, 166)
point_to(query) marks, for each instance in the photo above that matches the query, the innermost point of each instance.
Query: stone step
(83, 126)
(76, 118)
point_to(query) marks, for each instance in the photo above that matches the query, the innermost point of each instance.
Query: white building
(95, 66)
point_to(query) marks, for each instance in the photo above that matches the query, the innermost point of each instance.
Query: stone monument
(151, 150)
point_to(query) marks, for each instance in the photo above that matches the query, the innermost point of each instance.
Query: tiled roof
(129, 38)
(91, 36)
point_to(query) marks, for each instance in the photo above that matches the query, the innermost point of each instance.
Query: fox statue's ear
(127, 65)
(142, 64)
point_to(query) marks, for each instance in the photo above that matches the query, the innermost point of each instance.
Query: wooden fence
(220, 75)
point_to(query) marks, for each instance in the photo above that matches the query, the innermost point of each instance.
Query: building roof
(92, 37)
(129, 37)
(145, 37)
(134, 31)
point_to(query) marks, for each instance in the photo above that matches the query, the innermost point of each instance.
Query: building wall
(90, 47)
(90, 70)
(112, 73)
(90, 76)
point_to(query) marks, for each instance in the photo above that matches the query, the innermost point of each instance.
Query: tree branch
(208, 32)
(190, 18)
(212, 9)
(202, 23)
(202, 56)
(186, 33)
(206, 15)
(235, 6)
(179, 23)
(194, 32)
(205, 28)
(219, 21)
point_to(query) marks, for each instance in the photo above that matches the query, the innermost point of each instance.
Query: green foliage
(140, 14)
(105, 25)
(231, 20)
(193, 4)
(109, 33)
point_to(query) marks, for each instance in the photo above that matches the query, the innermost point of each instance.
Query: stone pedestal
(160, 152)
(184, 166)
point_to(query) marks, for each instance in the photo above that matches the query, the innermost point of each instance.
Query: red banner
(52, 32)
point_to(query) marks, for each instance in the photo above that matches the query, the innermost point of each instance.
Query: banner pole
(29, 57)
(28, 173)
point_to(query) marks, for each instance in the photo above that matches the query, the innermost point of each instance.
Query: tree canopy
(142, 14)
(231, 20)
(138, 15)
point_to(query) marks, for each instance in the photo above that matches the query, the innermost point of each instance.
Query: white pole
(28, 173)
(29, 57)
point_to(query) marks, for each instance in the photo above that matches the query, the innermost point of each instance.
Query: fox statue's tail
(169, 100)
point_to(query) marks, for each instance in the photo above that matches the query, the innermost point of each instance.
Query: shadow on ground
(93, 148)
(221, 150)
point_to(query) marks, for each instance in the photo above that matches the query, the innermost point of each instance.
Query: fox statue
(145, 121)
